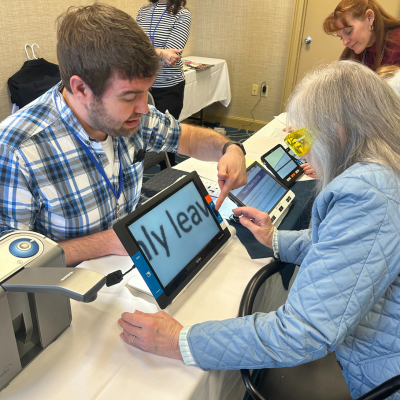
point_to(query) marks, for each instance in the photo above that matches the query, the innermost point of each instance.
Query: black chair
(153, 158)
(161, 179)
(381, 392)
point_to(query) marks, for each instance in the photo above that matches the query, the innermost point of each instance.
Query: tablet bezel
(241, 204)
(183, 278)
(292, 176)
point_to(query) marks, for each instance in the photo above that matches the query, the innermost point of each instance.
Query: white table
(90, 362)
(205, 87)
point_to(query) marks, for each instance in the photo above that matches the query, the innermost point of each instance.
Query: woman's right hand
(257, 222)
(170, 56)
(309, 171)
(288, 129)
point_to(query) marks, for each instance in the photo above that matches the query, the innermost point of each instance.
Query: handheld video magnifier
(282, 165)
(264, 192)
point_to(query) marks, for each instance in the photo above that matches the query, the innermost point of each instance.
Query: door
(323, 48)
(320, 48)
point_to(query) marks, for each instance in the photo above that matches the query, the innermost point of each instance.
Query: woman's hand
(308, 170)
(288, 129)
(170, 56)
(260, 226)
(155, 333)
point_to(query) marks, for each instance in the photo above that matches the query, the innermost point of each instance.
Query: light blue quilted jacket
(346, 295)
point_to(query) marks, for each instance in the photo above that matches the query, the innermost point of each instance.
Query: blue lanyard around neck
(100, 168)
(153, 34)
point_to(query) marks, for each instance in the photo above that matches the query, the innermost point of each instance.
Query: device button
(288, 199)
(293, 175)
(281, 208)
(273, 218)
(216, 213)
(24, 248)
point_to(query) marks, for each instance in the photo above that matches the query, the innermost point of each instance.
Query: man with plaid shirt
(68, 160)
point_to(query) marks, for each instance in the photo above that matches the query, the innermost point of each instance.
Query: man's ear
(80, 90)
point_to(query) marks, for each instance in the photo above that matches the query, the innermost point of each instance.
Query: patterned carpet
(239, 135)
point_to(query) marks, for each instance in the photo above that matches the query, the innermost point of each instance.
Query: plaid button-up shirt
(49, 184)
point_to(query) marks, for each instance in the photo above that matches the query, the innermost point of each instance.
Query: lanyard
(101, 169)
(98, 166)
(152, 35)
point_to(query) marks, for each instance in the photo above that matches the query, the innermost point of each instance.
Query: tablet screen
(174, 232)
(281, 162)
(262, 190)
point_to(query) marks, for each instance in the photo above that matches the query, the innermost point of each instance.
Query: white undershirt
(108, 148)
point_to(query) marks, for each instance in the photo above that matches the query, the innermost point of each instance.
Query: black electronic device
(172, 237)
(282, 165)
(264, 192)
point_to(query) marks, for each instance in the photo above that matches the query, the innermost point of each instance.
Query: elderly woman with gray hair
(346, 295)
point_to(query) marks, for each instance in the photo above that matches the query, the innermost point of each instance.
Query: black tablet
(264, 192)
(282, 165)
(171, 237)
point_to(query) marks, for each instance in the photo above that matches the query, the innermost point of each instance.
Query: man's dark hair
(95, 41)
(173, 6)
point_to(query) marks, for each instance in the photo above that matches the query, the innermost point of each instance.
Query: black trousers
(171, 99)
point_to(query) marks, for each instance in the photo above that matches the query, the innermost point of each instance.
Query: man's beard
(101, 121)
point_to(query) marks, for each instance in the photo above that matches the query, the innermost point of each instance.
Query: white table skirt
(205, 87)
(90, 361)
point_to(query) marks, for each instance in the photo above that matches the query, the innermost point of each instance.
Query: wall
(253, 36)
(34, 22)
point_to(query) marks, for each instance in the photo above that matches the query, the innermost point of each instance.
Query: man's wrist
(235, 145)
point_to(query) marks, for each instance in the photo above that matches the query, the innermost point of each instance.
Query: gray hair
(353, 116)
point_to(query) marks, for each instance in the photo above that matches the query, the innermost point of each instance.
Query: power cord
(251, 112)
(116, 277)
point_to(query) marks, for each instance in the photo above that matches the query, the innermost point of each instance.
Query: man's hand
(261, 227)
(231, 172)
(206, 145)
(156, 333)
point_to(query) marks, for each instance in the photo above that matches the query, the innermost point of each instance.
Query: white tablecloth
(205, 87)
(90, 362)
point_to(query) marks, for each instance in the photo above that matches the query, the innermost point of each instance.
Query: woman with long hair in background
(370, 34)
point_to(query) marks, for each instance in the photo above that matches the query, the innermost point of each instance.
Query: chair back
(152, 158)
(150, 99)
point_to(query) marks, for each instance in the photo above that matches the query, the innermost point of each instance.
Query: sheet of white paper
(282, 118)
(276, 133)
